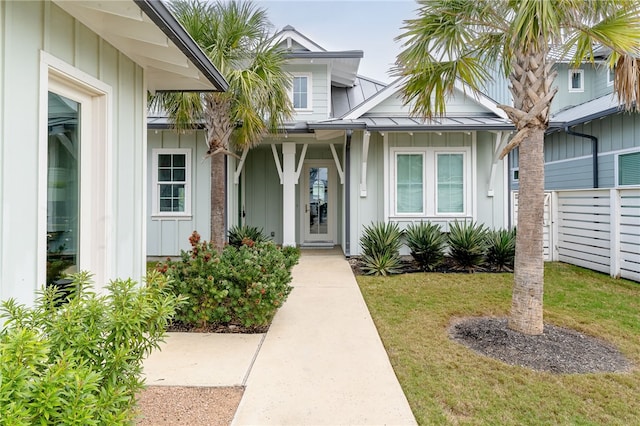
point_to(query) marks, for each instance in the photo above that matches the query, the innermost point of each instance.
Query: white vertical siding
(26, 29)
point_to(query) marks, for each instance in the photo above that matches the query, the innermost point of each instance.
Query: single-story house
(74, 79)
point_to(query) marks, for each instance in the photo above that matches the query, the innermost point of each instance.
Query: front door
(319, 208)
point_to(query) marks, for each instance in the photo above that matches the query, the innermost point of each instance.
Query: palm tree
(464, 39)
(235, 36)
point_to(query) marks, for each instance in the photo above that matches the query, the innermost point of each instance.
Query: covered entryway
(318, 203)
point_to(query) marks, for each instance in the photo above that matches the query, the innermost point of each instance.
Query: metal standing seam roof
(399, 124)
(591, 110)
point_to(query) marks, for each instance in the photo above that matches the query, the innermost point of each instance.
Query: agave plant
(427, 243)
(380, 244)
(241, 234)
(501, 249)
(467, 245)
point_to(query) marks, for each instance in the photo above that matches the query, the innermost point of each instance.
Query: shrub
(381, 248)
(427, 243)
(81, 362)
(467, 245)
(243, 234)
(501, 249)
(243, 285)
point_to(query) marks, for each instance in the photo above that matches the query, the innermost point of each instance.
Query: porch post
(289, 194)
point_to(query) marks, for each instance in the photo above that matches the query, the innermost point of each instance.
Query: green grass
(447, 383)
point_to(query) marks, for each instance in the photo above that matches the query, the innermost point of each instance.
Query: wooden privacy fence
(597, 229)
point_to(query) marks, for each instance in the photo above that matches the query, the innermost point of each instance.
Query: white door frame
(332, 216)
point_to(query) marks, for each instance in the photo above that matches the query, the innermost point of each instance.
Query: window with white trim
(172, 182)
(301, 92)
(629, 169)
(430, 181)
(576, 80)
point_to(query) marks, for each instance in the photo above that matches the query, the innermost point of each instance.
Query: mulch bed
(217, 328)
(558, 350)
(409, 266)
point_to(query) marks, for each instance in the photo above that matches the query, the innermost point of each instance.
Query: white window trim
(616, 167)
(394, 174)
(95, 97)
(429, 198)
(608, 72)
(570, 76)
(309, 77)
(155, 207)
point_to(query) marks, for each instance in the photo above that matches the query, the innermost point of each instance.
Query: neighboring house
(351, 156)
(74, 78)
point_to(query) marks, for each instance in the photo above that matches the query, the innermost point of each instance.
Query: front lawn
(447, 383)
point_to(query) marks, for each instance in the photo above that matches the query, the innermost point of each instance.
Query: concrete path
(320, 363)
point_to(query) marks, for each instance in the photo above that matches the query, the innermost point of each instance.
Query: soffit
(171, 59)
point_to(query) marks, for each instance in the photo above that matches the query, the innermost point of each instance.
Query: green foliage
(467, 245)
(80, 363)
(501, 249)
(243, 285)
(427, 243)
(244, 234)
(381, 248)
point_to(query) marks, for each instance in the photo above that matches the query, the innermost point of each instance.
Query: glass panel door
(63, 186)
(318, 208)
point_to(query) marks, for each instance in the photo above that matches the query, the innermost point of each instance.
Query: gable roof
(147, 32)
(300, 49)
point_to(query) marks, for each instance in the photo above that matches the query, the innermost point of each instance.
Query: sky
(367, 25)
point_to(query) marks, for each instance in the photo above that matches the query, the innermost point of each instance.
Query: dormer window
(576, 80)
(301, 92)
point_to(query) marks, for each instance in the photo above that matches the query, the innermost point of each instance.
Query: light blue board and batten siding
(28, 28)
(321, 90)
(166, 236)
(370, 209)
(595, 86)
(568, 158)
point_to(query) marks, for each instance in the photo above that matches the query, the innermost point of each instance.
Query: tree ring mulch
(558, 350)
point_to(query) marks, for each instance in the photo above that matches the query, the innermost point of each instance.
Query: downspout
(594, 151)
(347, 194)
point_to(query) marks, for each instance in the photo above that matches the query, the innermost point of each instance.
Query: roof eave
(164, 19)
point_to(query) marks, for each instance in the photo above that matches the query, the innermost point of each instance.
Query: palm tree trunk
(526, 305)
(218, 201)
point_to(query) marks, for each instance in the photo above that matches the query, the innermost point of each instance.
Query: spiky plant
(467, 245)
(239, 233)
(380, 244)
(427, 243)
(501, 249)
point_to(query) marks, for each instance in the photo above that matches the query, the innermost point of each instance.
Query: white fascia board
(480, 98)
(373, 101)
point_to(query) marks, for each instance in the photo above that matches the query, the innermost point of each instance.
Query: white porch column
(289, 194)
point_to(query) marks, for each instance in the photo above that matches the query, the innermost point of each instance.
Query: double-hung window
(629, 169)
(172, 182)
(301, 92)
(430, 182)
(576, 80)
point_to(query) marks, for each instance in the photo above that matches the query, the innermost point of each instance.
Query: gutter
(594, 151)
(347, 194)
(164, 19)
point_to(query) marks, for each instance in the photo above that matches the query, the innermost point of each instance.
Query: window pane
(300, 92)
(178, 175)
(164, 160)
(164, 175)
(165, 204)
(178, 160)
(165, 191)
(178, 191)
(63, 186)
(409, 183)
(629, 169)
(576, 80)
(450, 183)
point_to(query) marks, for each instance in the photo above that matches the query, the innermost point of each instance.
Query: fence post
(614, 232)
(554, 220)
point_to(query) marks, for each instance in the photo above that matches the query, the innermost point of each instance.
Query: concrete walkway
(320, 363)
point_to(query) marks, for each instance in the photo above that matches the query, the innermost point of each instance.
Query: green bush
(243, 234)
(81, 362)
(427, 243)
(467, 245)
(501, 249)
(243, 285)
(380, 244)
